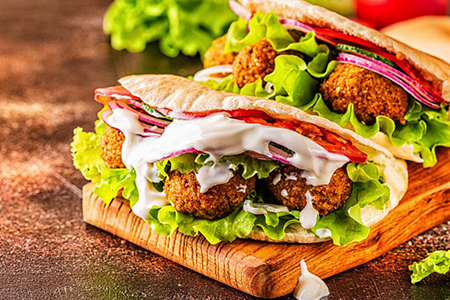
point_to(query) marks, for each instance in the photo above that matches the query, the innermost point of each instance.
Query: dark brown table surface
(53, 54)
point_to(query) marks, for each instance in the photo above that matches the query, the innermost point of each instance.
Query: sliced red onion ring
(414, 84)
(280, 158)
(278, 151)
(205, 74)
(302, 27)
(240, 10)
(152, 129)
(142, 117)
(105, 115)
(362, 62)
(146, 127)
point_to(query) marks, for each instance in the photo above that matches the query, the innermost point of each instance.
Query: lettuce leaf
(114, 180)
(191, 162)
(179, 25)
(438, 261)
(260, 26)
(108, 182)
(165, 220)
(345, 223)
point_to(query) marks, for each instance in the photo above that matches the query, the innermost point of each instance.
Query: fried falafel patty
(183, 192)
(289, 188)
(215, 55)
(111, 148)
(254, 62)
(371, 94)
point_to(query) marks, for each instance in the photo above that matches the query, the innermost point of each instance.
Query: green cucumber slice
(352, 49)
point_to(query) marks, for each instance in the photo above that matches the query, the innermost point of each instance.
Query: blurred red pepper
(382, 13)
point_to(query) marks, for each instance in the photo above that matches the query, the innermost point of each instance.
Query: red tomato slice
(344, 37)
(329, 141)
(239, 113)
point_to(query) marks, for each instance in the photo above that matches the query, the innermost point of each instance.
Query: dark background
(53, 54)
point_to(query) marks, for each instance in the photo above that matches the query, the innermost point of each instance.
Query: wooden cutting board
(270, 270)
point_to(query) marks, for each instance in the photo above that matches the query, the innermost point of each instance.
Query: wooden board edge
(190, 252)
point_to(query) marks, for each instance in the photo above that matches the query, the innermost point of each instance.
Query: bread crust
(182, 95)
(432, 68)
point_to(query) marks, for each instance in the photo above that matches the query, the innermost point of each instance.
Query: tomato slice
(328, 140)
(344, 37)
(241, 113)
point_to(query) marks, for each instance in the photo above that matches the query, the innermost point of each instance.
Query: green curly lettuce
(438, 262)
(165, 220)
(260, 26)
(188, 26)
(108, 182)
(191, 162)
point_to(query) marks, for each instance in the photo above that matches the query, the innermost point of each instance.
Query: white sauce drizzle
(308, 215)
(263, 208)
(291, 176)
(309, 286)
(216, 135)
(284, 193)
(323, 233)
(209, 176)
(242, 188)
(276, 179)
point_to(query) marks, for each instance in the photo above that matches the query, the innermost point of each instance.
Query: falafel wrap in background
(325, 64)
(229, 166)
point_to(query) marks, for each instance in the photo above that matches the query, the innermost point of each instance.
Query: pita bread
(183, 95)
(433, 69)
(431, 34)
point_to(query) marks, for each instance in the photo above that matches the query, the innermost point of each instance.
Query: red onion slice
(414, 84)
(302, 27)
(105, 115)
(205, 74)
(240, 10)
(363, 62)
(152, 129)
(142, 117)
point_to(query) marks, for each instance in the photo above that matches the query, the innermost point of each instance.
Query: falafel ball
(183, 192)
(215, 55)
(254, 62)
(371, 94)
(111, 148)
(289, 188)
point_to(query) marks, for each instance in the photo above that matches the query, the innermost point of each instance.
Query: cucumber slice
(151, 111)
(352, 49)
